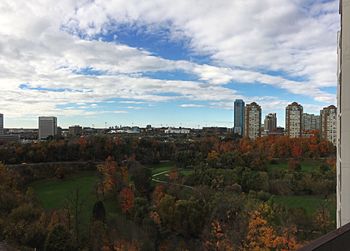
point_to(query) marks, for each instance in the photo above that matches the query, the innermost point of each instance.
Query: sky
(163, 62)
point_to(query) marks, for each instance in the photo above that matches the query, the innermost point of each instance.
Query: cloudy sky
(163, 62)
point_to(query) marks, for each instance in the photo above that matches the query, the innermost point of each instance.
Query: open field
(309, 202)
(53, 193)
(161, 167)
(306, 165)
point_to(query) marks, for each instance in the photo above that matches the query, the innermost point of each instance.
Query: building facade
(47, 127)
(1, 123)
(239, 116)
(343, 142)
(329, 124)
(294, 113)
(270, 123)
(252, 123)
(311, 122)
(75, 130)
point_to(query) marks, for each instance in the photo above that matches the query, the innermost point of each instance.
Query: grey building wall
(1, 123)
(270, 122)
(343, 136)
(47, 127)
(311, 122)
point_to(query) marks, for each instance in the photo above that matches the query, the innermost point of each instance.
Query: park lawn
(161, 167)
(186, 172)
(309, 202)
(53, 193)
(306, 165)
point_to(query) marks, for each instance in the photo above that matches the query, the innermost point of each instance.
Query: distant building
(24, 134)
(215, 130)
(252, 123)
(75, 130)
(310, 122)
(239, 116)
(294, 113)
(270, 122)
(329, 124)
(47, 127)
(1, 123)
(177, 131)
(8, 138)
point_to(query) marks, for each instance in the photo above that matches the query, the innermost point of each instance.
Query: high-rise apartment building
(311, 122)
(294, 114)
(343, 135)
(270, 122)
(1, 123)
(252, 123)
(47, 127)
(239, 117)
(329, 124)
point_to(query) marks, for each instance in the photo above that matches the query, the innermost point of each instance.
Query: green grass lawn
(53, 193)
(306, 165)
(161, 167)
(308, 202)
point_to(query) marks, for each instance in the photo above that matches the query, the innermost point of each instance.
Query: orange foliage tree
(126, 199)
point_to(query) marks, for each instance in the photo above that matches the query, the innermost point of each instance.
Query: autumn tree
(126, 197)
(59, 239)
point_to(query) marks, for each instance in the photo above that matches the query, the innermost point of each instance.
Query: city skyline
(308, 121)
(159, 63)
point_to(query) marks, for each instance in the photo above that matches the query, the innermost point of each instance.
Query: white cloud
(243, 38)
(191, 105)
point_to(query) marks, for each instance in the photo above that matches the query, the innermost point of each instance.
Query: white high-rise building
(1, 123)
(252, 123)
(47, 127)
(343, 142)
(294, 114)
(329, 124)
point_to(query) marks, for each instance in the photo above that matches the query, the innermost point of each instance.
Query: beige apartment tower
(252, 123)
(294, 113)
(329, 124)
(343, 136)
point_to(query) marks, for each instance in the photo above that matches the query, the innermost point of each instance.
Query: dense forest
(217, 196)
